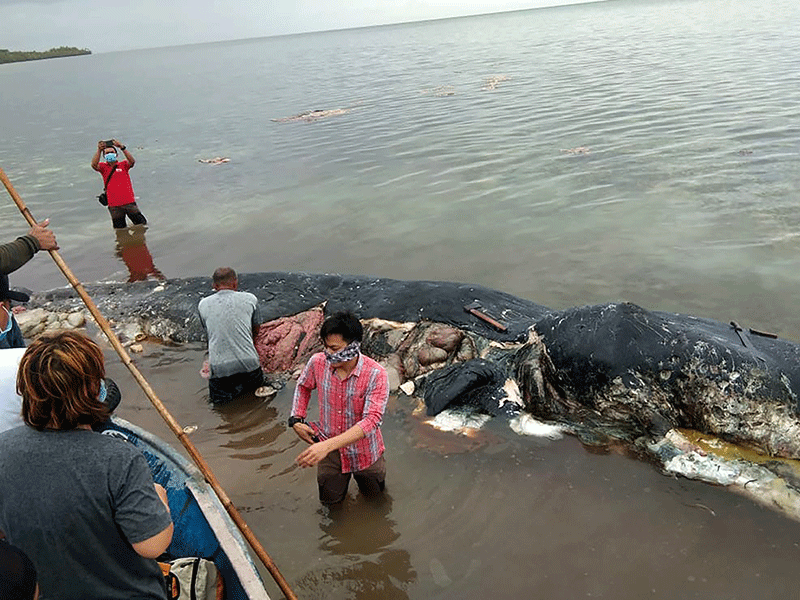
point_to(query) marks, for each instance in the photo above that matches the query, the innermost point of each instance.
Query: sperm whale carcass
(607, 373)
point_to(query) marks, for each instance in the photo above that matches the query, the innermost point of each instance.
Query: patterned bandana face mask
(347, 353)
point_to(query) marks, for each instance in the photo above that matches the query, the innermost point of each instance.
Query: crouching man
(231, 320)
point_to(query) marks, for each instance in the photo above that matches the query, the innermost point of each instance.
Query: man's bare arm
(155, 546)
(96, 158)
(126, 152)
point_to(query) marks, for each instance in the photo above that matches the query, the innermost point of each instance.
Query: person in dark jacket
(15, 254)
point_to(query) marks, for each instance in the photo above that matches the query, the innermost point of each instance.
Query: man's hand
(101, 145)
(313, 454)
(45, 237)
(117, 143)
(304, 432)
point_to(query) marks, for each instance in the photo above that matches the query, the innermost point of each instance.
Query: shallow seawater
(632, 150)
(493, 515)
(682, 199)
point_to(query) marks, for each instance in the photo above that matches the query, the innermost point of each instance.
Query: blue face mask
(111, 157)
(103, 391)
(9, 325)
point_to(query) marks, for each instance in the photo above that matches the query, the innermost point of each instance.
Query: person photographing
(117, 184)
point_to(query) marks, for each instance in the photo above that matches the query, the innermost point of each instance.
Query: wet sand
(490, 516)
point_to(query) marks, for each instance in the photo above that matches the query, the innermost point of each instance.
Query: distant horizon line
(375, 25)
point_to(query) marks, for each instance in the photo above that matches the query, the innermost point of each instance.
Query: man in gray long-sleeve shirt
(231, 320)
(15, 254)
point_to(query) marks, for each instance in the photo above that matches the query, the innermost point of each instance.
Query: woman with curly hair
(81, 505)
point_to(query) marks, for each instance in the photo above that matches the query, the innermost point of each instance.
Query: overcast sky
(128, 24)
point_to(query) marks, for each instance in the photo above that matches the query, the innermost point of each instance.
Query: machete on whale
(614, 372)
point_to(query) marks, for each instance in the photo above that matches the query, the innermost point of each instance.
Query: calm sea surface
(626, 150)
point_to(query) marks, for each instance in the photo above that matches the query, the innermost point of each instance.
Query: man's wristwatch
(294, 420)
(122, 148)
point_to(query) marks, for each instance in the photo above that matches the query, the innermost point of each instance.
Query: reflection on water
(360, 535)
(250, 427)
(132, 250)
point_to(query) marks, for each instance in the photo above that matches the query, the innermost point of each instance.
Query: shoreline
(13, 56)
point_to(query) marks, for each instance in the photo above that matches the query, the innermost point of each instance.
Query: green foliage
(7, 56)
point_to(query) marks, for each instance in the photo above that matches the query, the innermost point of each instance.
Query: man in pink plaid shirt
(352, 390)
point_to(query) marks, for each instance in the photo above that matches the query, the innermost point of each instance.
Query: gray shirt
(74, 501)
(229, 318)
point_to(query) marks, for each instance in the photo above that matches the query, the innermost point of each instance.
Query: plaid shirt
(358, 400)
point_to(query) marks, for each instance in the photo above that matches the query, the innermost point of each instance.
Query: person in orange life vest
(121, 201)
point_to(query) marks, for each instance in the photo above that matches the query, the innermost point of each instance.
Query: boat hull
(202, 525)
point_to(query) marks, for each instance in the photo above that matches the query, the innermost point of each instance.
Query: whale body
(612, 372)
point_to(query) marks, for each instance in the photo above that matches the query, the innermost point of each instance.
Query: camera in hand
(109, 143)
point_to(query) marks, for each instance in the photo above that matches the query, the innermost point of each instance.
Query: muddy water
(685, 201)
(489, 516)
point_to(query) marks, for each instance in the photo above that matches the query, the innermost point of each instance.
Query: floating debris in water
(217, 160)
(576, 151)
(459, 421)
(439, 573)
(189, 429)
(314, 115)
(265, 391)
(703, 506)
(442, 90)
(525, 424)
(408, 388)
(491, 82)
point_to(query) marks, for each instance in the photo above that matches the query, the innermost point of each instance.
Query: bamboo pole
(162, 410)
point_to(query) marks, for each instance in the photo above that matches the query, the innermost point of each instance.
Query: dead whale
(612, 373)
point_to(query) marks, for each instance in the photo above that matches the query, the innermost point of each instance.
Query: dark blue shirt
(13, 339)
